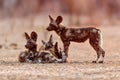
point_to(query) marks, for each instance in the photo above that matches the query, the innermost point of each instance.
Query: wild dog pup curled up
(57, 54)
(77, 35)
(31, 46)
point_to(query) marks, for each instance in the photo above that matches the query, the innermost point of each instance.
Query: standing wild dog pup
(31, 46)
(77, 35)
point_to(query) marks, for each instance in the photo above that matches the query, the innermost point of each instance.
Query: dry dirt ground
(79, 66)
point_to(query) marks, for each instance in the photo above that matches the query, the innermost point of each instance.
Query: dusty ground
(80, 58)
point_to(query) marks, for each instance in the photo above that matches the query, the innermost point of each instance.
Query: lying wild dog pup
(31, 46)
(32, 55)
(77, 35)
(46, 56)
(59, 55)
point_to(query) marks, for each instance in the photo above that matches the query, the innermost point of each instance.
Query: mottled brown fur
(31, 46)
(47, 54)
(77, 35)
(53, 49)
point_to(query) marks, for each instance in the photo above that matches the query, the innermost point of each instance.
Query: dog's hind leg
(100, 45)
(103, 55)
(96, 48)
(96, 43)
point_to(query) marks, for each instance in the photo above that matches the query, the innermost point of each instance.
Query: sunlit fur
(79, 35)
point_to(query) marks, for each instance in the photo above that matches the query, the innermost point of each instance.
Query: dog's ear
(51, 19)
(43, 42)
(59, 20)
(27, 36)
(34, 36)
(51, 39)
(56, 46)
(56, 49)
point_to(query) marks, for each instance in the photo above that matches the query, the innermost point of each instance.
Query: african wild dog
(45, 55)
(77, 35)
(53, 49)
(32, 55)
(31, 46)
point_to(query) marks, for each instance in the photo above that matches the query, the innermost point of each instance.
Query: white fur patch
(52, 58)
(46, 51)
(32, 54)
(59, 60)
(83, 34)
(39, 61)
(68, 33)
(78, 31)
(27, 60)
(94, 30)
(63, 56)
(46, 56)
(23, 54)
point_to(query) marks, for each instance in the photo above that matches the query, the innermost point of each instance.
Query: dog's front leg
(66, 48)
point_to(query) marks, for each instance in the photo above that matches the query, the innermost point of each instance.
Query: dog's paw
(100, 62)
(94, 61)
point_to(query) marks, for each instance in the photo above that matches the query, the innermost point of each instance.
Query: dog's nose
(47, 28)
(25, 46)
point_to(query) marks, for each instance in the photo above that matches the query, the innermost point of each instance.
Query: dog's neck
(34, 50)
(59, 29)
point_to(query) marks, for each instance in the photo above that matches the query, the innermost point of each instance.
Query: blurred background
(18, 16)
(77, 12)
